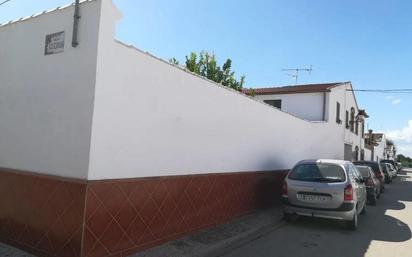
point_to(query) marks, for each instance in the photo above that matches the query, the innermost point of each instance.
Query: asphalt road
(383, 232)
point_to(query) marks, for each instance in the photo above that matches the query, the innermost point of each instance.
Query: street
(383, 231)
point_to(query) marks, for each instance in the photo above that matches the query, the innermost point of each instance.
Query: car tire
(363, 212)
(288, 217)
(373, 199)
(353, 224)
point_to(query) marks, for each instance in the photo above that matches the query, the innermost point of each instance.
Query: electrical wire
(391, 91)
(4, 2)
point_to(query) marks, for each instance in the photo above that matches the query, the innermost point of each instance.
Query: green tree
(205, 64)
(406, 161)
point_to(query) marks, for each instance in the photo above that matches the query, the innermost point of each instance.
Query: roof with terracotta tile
(307, 88)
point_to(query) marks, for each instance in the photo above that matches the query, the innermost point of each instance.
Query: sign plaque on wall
(54, 43)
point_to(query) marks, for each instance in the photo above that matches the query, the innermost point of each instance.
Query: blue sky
(366, 42)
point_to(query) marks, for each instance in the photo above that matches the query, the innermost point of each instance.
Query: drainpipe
(77, 16)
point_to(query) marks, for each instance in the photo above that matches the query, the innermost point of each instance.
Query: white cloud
(389, 97)
(403, 139)
(396, 101)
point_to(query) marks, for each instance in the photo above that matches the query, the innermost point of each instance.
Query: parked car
(377, 169)
(330, 189)
(392, 170)
(387, 171)
(394, 164)
(372, 183)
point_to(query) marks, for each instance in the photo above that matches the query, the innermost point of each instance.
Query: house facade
(376, 142)
(333, 105)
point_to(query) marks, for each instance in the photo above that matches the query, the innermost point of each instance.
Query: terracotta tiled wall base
(40, 214)
(122, 217)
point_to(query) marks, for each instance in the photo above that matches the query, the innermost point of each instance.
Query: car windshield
(318, 172)
(364, 171)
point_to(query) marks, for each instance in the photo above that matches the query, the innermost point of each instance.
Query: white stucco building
(376, 142)
(105, 139)
(125, 150)
(333, 105)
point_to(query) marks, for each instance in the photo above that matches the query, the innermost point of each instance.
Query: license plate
(314, 198)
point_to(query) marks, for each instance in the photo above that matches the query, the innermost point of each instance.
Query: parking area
(383, 231)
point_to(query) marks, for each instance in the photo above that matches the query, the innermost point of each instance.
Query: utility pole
(296, 71)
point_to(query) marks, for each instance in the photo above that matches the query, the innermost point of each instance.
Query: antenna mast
(296, 71)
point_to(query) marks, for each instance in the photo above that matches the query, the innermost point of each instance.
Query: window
(352, 119)
(319, 172)
(338, 113)
(357, 127)
(274, 103)
(353, 173)
(347, 120)
(363, 129)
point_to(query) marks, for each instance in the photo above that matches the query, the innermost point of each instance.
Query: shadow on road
(310, 237)
(375, 225)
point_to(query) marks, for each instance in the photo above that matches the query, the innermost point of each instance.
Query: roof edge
(25, 18)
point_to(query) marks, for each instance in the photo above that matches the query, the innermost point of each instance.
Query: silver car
(392, 170)
(331, 189)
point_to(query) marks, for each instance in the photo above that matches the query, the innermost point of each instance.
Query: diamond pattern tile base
(41, 214)
(56, 217)
(125, 216)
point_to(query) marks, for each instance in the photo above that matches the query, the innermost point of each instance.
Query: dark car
(394, 164)
(372, 183)
(376, 168)
(389, 174)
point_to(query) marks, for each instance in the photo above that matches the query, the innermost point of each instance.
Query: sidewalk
(212, 242)
(220, 239)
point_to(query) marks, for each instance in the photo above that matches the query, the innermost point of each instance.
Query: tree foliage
(389, 142)
(205, 64)
(406, 161)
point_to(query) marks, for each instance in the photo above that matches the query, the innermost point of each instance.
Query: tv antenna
(296, 71)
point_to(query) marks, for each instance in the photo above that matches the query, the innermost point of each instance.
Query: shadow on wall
(269, 187)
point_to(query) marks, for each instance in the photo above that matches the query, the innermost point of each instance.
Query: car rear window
(364, 171)
(319, 172)
(372, 165)
(388, 161)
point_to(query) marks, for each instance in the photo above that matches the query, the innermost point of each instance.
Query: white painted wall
(380, 153)
(105, 110)
(308, 106)
(368, 154)
(46, 102)
(153, 119)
